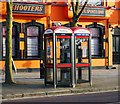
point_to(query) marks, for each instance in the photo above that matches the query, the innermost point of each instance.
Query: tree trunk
(77, 15)
(8, 63)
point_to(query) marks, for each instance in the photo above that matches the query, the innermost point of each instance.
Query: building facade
(30, 19)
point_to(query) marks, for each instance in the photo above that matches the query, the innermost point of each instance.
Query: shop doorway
(116, 49)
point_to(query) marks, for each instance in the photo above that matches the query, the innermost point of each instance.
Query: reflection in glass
(32, 31)
(113, 44)
(32, 41)
(117, 44)
(81, 49)
(63, 50)
(32, 46)
(49, 49)
(95, 44)
(13, 40)
(64, 76)
(49, 74)
(92, 2)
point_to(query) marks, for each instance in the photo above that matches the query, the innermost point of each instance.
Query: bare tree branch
(77, 15)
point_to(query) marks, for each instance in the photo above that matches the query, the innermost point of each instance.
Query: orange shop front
(29, 22)
(29, 25)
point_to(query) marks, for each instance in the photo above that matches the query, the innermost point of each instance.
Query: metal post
(89, 56)
(54, 60)
(45, 62)
(107, 67)
(75, 59)
(1, 41)
(72, 59)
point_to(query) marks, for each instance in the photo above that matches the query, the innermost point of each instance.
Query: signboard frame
(28, 8)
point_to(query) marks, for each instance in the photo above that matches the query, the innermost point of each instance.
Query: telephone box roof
(58, 29)
(80, 30)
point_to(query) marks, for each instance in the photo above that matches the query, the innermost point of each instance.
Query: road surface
(90, 98)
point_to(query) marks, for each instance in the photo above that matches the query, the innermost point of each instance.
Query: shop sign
(82, 31)
(63, 31)
(28, 8)
(93, 11)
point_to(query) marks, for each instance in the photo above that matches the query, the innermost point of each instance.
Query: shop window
(95, 44)
(98, 31)
(33, 39)
(92, 2)
(15, 39)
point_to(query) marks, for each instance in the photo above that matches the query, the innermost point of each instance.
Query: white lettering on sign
(63, 31)
(82, 31)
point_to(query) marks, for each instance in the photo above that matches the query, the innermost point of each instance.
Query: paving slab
(30, 84)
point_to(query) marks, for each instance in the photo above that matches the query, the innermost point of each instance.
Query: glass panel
(13, 40)
(49, 74)
(49, 51)
(81, 49)
(95, 32)
(13, 30)
(13, 46)
(82, 74)
(113, 44)
(32, 46)
(32, 31)
(4, 29)
(64, 76)
(92, 2)
(117, 44)
(4, 47)
(63, 50)
(94, 46)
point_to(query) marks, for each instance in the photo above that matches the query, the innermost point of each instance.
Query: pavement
(29, 84)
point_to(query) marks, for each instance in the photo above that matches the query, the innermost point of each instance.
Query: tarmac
(29, 84)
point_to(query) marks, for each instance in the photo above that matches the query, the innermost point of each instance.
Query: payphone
(82, 54)
(67, 56)
(59, 70)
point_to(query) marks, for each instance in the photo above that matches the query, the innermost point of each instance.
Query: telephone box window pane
(32, 31)
(63, 50)
(32, 46)
(81, 49)
(49, 49)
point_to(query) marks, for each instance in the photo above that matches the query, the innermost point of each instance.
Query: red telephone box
(67, 56)
(59, 69)
(82, 54)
